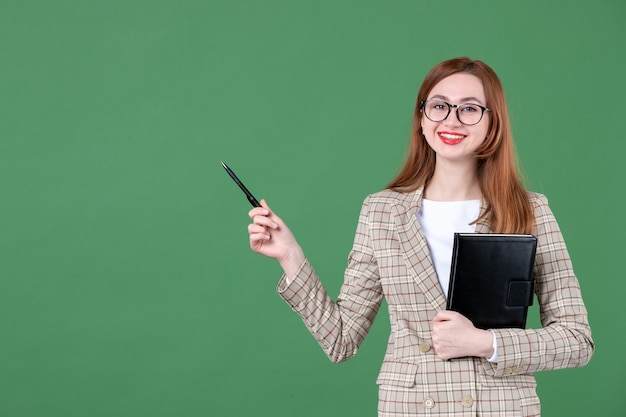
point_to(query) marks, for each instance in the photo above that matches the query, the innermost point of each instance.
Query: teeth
(453, 137)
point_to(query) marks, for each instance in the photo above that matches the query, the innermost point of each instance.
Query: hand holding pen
(269, 235)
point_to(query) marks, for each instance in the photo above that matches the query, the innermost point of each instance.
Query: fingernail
(274, 225)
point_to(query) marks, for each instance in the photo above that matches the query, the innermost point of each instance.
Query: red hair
(508, 209)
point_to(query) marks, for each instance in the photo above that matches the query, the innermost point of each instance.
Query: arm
(565, 339)
(339, 327)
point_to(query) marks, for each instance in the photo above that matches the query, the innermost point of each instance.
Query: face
(452, 140)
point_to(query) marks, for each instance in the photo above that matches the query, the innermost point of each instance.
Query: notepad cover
(491, 278)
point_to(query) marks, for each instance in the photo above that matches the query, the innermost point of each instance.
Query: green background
(127, 287)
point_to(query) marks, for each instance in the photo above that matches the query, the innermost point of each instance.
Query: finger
(446, 315)
(258, 211)
(259, 237)
(255, 228)
(442, 316)
(265, 221)
(264, 210)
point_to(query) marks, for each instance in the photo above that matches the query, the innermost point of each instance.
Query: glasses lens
(470, 114)
(436, 110)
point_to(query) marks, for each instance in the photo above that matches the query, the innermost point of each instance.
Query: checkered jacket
(390, 259)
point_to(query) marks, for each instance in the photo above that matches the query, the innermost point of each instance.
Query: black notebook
(491, 278)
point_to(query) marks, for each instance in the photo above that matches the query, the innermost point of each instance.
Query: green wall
(126, 284)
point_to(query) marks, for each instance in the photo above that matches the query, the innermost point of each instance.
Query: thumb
(443, 315)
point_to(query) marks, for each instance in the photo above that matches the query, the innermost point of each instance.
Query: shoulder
(538, 202)
(537, 199)
(384, 197)
(380, 206)
(544, 217)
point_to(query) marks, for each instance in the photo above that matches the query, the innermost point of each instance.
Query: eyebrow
(463, 100)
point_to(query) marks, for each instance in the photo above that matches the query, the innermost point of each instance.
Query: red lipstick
(451, 138)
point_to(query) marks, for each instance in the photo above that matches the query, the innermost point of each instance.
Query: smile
(451, 138)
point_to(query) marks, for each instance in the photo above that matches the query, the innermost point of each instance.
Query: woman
(460, 176)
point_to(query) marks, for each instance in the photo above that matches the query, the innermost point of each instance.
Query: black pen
(251, 199)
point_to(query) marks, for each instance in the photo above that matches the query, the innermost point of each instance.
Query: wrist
(291, 262)
(486, 347)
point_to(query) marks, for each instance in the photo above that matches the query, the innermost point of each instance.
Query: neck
(453, 183)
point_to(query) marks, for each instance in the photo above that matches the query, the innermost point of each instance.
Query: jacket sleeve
(565, 340)
(339, 326)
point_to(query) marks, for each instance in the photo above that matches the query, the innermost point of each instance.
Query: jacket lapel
(415, 250)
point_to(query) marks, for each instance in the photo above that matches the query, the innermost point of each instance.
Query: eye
(469, 108)
(438, 105)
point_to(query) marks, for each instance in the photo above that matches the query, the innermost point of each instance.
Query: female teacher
(460, 176)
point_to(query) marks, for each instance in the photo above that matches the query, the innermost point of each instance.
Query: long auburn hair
(508, 209)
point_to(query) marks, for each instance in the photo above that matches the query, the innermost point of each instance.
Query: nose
(452, 119)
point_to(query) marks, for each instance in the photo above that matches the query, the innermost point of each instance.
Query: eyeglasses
(467, 113)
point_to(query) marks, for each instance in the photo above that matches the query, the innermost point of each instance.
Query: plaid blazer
(390, 258)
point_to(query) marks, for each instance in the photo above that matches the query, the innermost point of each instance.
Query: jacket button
(467, 401)
(429, 402)
(423, 347)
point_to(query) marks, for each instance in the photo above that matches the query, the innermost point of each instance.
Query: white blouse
(440, 220)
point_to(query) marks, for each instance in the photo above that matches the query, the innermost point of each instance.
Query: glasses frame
(456, 110)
